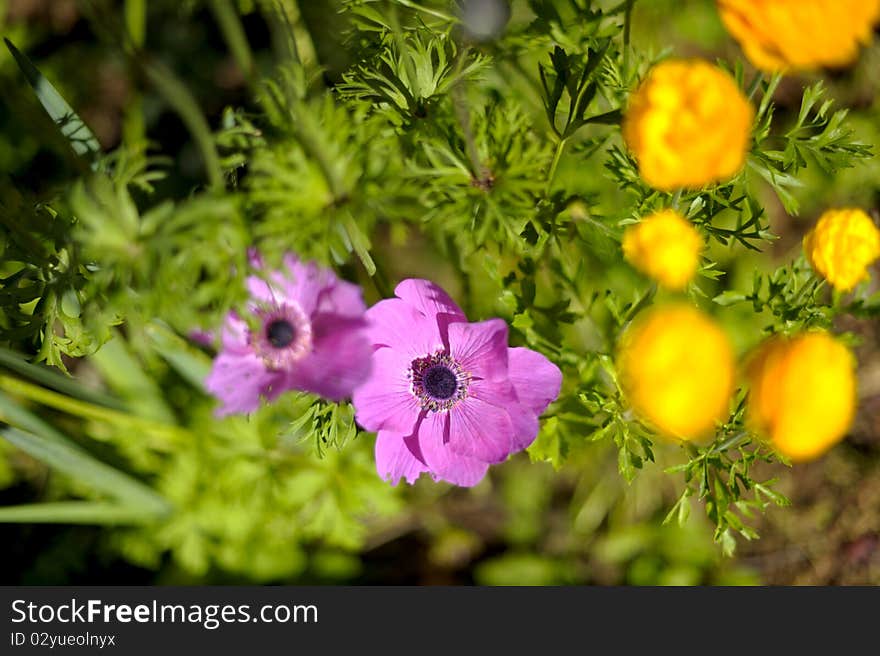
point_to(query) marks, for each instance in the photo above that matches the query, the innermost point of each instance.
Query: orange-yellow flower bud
(777, 35)
(841, 247)
(688, 125)
(676, 368)
(802, 393)
(664, 246)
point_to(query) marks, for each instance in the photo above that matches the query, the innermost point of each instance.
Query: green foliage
(409, 74)
(818, 136)
(792, 293)
(503, 158)
(720, 474)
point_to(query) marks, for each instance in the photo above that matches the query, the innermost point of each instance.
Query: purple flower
(309, 334)
(446, 396)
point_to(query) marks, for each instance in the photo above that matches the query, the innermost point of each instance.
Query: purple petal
(201, 337)
(339, 360)
(342, 297)
(396, 324)
(537, 381)
(443, 463)
(498, 392)
(304, 282)
(427, 297)
(480, 348)
(239, 380)
(261, 291)
(254, 258)
(384, 401)
(525, 425)
(480, 430)
(234, 334)
(432, 302)
(394, 460)
(501, 393)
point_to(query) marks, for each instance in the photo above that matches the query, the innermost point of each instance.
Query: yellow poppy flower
(778, 35)
(802, 393)
(688, 125)
(664, 246)
(841, 247)
(676, 369)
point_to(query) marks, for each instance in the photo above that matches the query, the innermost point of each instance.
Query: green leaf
(15, 414)
(73, 512)
(83, 467)
(47, 376)
(729, 298)
(81, 139)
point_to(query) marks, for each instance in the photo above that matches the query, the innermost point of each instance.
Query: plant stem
(181, 100)
(755, 84)
(730, 442)
(133, 128)
(431, 12)
(233, 33)
(627, 24)
(554, 165)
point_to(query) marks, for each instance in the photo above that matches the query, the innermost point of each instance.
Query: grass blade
(15, 415)
(81, 139)
(73, 512)
(49, 377)
(83, 467)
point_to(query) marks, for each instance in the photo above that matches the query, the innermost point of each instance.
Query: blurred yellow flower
(802, 393)
(842, 245)
(777, 35)
(676, 368)
(664, 246)
(688, 125)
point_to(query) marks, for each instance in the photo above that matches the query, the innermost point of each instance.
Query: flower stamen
(438, 381)
(284, 336)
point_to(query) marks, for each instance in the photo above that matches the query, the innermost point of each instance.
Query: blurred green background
(528, 524)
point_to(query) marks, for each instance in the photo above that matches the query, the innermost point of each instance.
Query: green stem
(554, 165)
(133, 127)
(181, 100)
(431, 12)
(734, 440)
(627, 24)
(460, 105)
(233, 33)
(755, 85)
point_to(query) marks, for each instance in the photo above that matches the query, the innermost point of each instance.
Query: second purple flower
(307, 332)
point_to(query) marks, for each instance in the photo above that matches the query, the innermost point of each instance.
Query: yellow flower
(676, 368)
(664, 246)
(802, 393)
(841, 247)
(688, 125)
(777, 35)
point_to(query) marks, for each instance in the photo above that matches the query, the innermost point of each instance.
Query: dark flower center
(280, 333)
(440, 382)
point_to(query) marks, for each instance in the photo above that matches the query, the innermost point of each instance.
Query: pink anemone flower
(446, 396)
(307, 332)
